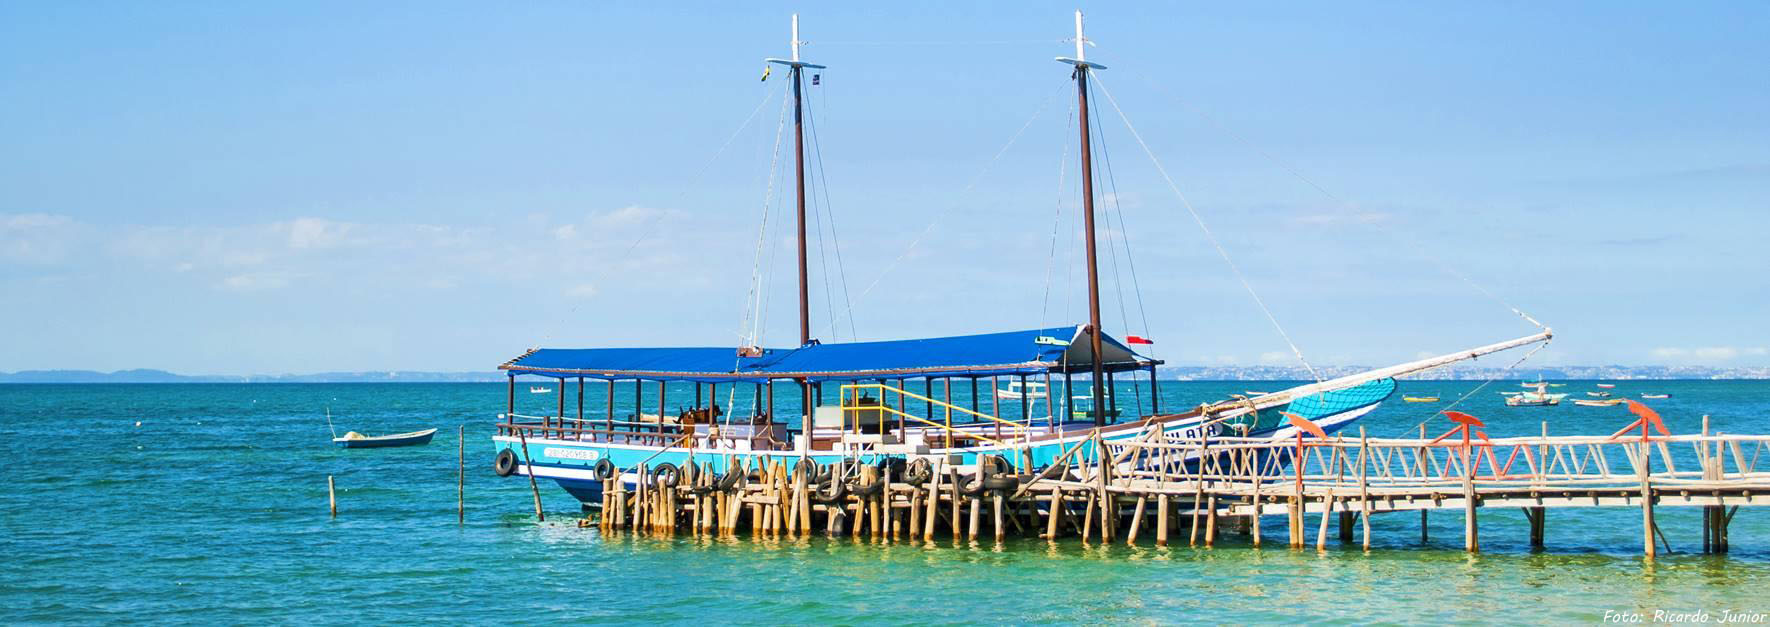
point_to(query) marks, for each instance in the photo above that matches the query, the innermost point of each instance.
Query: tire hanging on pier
(605, 470)
(669, 472)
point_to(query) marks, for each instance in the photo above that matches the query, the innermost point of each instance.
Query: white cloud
(1338, 218)
(569, 231)
(1273, 358)
(35, 238)
(254, 282)
(315, 232)
(582, 291)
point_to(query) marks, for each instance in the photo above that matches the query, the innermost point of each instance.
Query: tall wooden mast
(1082, 66)
(795, 71)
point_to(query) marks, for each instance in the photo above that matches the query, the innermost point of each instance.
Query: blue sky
(291, 187)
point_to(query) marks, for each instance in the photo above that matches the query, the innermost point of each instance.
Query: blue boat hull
(572, 463)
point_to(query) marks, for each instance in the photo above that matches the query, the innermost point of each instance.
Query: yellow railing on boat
(1021, 431)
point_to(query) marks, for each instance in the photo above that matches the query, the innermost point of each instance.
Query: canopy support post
(510, 401)
(1155, 392)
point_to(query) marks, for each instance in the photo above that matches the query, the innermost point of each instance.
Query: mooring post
(331, 496)
(1471, 531)
(530, 462)
(1650, 548)
(461, 477)
(1364, 497)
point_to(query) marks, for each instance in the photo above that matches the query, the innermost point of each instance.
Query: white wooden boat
(1017, 390)
(358, 440)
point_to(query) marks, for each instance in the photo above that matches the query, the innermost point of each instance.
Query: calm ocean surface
(213, 509)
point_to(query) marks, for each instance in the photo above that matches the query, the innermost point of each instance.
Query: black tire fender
(732, 479)
(918, 472)
(968, 485)
(866, 490)
(807, 469)
(505, 463)
(1000, 483)
(605, 469)
(831, 492)
(669, 472)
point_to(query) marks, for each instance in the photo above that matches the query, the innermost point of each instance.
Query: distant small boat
(1420, 399)
(358, 440)
(539, 389)
(1605, 403)
(1607, 385)
(1252, 393)
(1656, 396)
(1598, 394)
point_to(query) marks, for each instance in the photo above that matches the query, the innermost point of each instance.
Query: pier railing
(851, 405)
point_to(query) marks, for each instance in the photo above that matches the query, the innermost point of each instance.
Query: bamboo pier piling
(1103, 490)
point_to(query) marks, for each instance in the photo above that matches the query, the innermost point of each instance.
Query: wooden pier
(1155, 487)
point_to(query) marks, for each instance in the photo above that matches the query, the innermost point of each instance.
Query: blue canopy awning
(705, 364)
(1035, 351)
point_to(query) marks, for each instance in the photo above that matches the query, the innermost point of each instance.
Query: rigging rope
(830, 218)
(1112, 246)
(1478, 388)
(755, 307)
(1410, 242)
(1419, 250)
(1056, 221)
(645, 229)
(948, 209)
(1207, 231)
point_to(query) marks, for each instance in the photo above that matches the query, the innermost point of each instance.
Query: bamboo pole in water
(461, 478)
(530, 462)
(331, 496)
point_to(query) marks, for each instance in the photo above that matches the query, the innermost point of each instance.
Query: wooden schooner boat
(886, 407)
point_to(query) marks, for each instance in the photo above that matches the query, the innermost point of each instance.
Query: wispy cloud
(35, 238)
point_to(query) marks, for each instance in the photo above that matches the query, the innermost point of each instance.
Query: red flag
(1138, 339)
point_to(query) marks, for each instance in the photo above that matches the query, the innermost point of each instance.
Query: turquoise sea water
(213, 509)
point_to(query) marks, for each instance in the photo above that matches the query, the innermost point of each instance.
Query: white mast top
(794, 62)
(1082, 42)
(1081, 54)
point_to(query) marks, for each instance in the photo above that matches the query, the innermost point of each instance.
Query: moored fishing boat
(358, 440)
(858, 402)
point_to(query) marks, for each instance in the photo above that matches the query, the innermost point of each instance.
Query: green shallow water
(214, 509)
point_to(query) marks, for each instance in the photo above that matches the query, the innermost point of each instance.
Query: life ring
(668, 471)
(918, 472)
(831, 491)
(505, 463)
(605, 469)
(732, 479)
